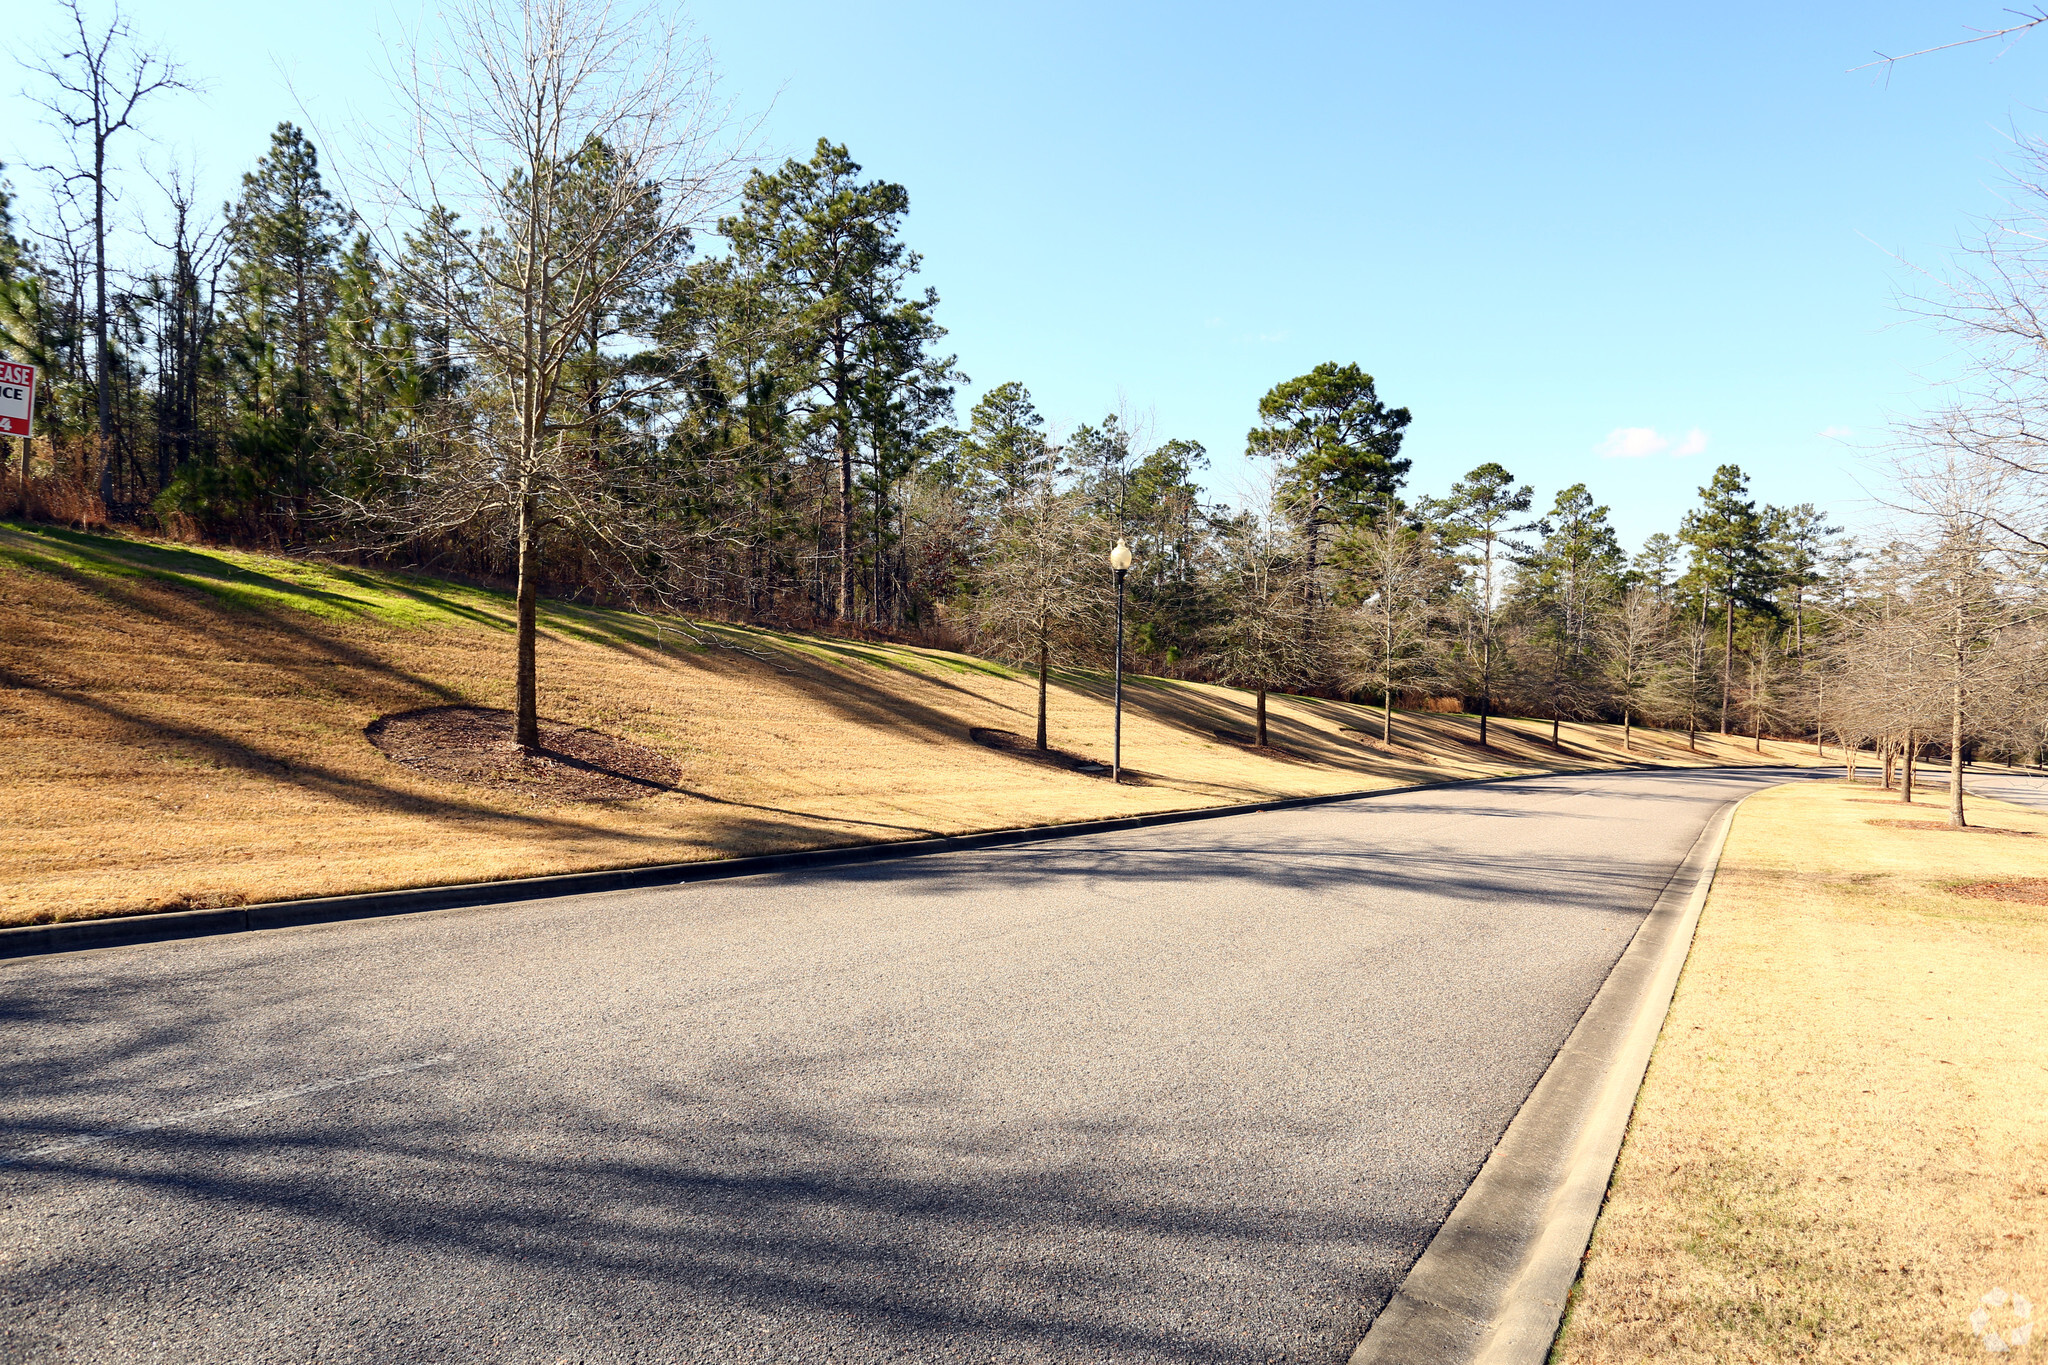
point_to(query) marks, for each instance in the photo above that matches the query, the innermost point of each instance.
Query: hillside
(186, 727)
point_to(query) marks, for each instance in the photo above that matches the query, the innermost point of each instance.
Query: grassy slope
(183, 727)
(1840, 1144)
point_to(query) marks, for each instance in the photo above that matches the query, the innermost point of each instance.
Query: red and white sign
(17, 399)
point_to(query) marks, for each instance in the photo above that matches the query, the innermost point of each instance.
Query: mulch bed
(1944, 825)
(2026, 890)
(473, 745)
(1016, 746)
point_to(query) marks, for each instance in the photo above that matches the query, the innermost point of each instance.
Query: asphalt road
(2022, 789)
(1194, 1093)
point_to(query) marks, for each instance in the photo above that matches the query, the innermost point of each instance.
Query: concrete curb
(1490, 1288)
(120, 930)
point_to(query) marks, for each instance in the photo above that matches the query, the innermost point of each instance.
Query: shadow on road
(727, 1215)
(618, 1185)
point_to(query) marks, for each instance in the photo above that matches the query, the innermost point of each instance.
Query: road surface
(1193, 1093)
(2022, 789)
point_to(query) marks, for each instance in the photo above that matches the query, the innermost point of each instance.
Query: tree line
(588, 348)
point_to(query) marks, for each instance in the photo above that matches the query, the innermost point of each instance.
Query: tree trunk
(1553, 729)
(1906, 769)
(1387, 718)
(880, 518)
(1044, 662)
(526, 706)
(1262, 718)
(845, 607)
(1626, 746)
(1955, 748)
(103, 400)
(1486, 674)
(1727, 659)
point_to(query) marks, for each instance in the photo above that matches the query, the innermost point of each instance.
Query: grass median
(1840, 1152)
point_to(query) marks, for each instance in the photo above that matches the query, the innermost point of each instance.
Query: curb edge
(64, 936)
(1490, 1289)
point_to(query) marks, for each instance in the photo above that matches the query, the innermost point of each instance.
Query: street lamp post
(1119, 560)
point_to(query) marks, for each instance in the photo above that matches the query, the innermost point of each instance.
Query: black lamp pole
(1120, 561)
(1116, 759)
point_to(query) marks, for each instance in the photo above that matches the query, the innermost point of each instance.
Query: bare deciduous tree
(577, 145)
(1637, 645)
(1387, 642)
(1768, 693)
(96, 81)
(1263, 641)
(1968, 593)
(1042, 584)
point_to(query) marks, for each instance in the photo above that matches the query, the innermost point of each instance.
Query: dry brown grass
(185, 728)
(1842, 1142)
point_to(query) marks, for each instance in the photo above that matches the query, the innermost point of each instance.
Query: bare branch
(2032, 19)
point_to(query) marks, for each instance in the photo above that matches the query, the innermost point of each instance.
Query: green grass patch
(336, 592)
(254, 582)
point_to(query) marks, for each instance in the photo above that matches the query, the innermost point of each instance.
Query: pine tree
(377, 381)
(1168, 530)
(1731, 565)
(1337, 447)
(821, 249)
(1478, 521)
(285, 236)
(1004, 449)
(1563, 589)
(1656, 564)
(24, 320)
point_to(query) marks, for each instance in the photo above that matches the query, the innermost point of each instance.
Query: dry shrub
(61, 498)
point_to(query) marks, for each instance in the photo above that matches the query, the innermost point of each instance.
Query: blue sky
(1538, 228)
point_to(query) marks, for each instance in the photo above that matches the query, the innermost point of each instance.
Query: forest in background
(590, 349)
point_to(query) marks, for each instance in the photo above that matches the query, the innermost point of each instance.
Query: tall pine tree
(285, 236)
(1731, 564)
(821, 248)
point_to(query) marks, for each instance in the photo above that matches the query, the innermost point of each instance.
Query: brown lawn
(184, 727)
(1842, 1144)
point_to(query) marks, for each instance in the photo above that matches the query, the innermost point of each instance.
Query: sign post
(18, 414)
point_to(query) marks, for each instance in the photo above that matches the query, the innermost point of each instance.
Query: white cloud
(1629, 443)
(1836, 433)
(1695, 441)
